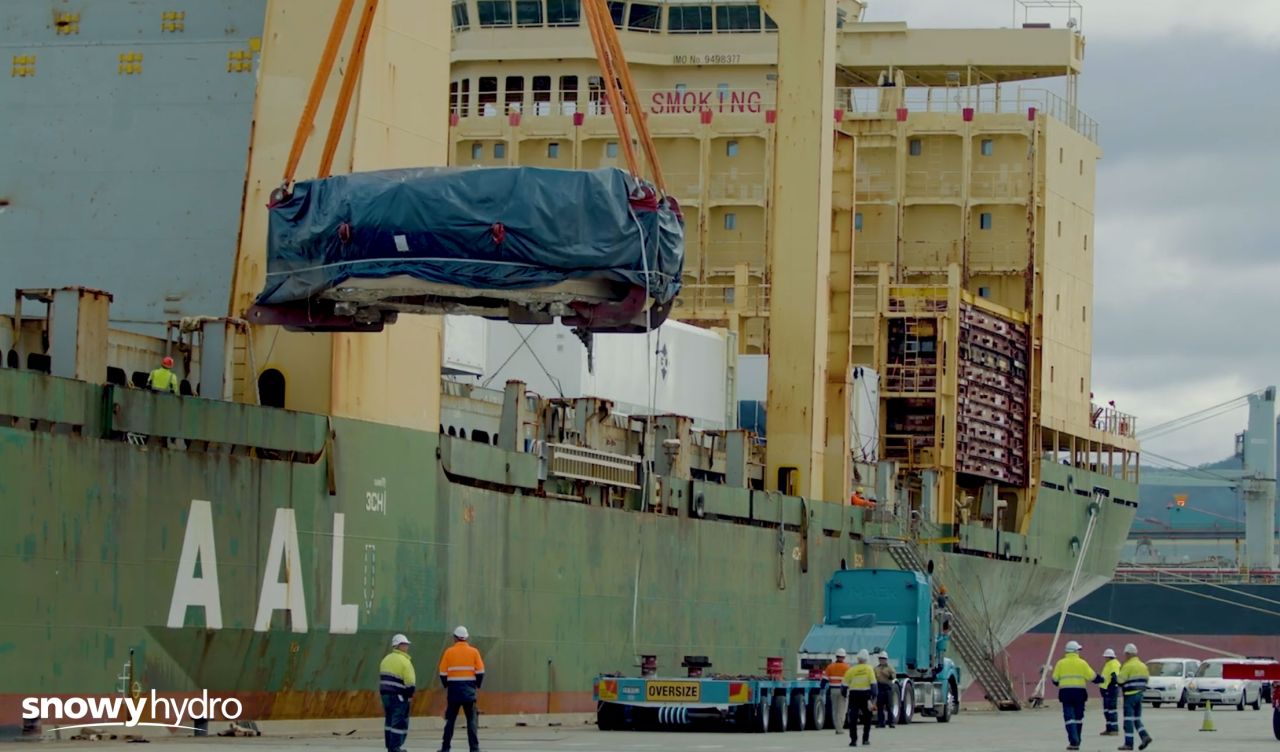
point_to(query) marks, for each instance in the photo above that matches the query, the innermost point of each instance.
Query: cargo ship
(310, 494)
(1198, 576)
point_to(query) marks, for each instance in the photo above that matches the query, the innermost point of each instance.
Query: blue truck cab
(891, 611)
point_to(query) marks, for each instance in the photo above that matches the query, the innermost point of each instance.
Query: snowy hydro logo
(130, 712)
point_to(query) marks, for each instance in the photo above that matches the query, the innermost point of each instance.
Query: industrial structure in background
(913, 216)
(1198, 576)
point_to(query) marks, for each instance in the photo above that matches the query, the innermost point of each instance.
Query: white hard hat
(863, 656)
(884, 656)
(1108, 653)
(1073, 647)
(399, 640)
(840, 653)
(1131, 649)
(461, 633)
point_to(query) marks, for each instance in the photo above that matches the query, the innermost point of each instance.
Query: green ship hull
(110, 494)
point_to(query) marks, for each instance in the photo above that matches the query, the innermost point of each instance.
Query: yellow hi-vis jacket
(1072, 671)
(1133, 676)
(860, 677)
(163, 380)
(1110, 670)
(395, 674)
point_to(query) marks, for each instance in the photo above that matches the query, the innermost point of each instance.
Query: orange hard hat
(167, 362)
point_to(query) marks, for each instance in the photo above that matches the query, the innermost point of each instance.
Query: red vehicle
(1260, 672)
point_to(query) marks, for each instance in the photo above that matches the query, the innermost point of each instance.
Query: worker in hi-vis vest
(1110, 693)
(163, 379)
(1072, 675)
(1133, 676)
(462, 673)
(860, 683)
(835, 680)
(396, 680)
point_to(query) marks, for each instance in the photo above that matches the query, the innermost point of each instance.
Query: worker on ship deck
(1133, 676)
(860, 684)
(1110, 690)
(835, 680)
(462, 673)
(1071, 675)
(163, 379)
(884, 691)
(396, 680)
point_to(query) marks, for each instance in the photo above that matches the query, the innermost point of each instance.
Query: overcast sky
(1186, 275)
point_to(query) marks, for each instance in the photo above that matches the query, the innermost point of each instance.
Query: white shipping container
(682, 370)
(864, 402)
(464, 345)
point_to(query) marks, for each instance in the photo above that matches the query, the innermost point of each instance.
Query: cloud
(1255, 22)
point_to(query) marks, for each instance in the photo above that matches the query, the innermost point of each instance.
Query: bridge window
(499, 150)
(689, 19)
(984, 221)
(477, 152)
(553, 150)
(542, 95)
(271, 388)
(568, 95)
(769, 23)
(528, 12)
(857, 222)
(731, 149)
(611, 150)
(737, 18)
(730, 220)
(494, 12)
(617, 9)
(988, 147)
(645, 17)
(488, 106)
(915, 147)
(461, 16)
(514, 97)
(564, 12)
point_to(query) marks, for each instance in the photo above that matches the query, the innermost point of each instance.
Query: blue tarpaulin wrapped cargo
(507, 228)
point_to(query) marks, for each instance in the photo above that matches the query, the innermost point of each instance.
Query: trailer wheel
(817, 711)
(796, 712)
(608, 717)
(907, 703)
(778, 713)
(948, 699)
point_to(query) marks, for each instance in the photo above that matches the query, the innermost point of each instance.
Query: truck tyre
(795, 712)
(778, 713)
(906, 703)
(761, 712)
(944, 716)
(817, 710)
(608, 717)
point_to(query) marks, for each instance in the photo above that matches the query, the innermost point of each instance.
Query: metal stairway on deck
(976, 657)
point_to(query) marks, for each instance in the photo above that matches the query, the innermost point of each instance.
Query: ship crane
(349, 254)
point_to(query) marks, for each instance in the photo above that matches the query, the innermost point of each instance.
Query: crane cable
(621, 91)
(306, 122)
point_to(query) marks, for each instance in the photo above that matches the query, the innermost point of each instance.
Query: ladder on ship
(977, 658)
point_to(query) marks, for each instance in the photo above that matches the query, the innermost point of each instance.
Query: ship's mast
(801, 252)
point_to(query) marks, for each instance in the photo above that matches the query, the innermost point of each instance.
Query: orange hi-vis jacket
(461, 663)
(835, 673)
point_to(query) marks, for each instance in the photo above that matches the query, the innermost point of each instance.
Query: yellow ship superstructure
(962, 213)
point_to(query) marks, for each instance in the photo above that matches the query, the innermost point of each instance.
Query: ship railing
(726, 254)
(738, 186)
(996, 184)
(1110, 420)
(987, 99)
(918, 298)
(934, 183)
(1188, 575)
(715, 298)
(912, 449)
(910, 379)
(685, 186)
